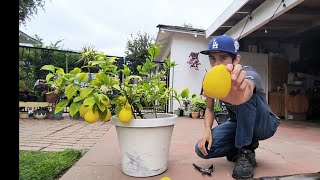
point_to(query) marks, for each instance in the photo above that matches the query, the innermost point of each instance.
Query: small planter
(51, 97)
(145, 144)
(195, 115)
(201, 114)
(40, 113)
(181, 112)
(222, 117)
(58, 115)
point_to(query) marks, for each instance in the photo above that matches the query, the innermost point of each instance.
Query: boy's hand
(207, 137)
(237, 94)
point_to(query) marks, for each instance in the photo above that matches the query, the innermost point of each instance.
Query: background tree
(28, 8)
(137, 47)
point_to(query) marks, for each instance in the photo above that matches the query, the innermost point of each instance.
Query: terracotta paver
(57, 135)
(293, 149)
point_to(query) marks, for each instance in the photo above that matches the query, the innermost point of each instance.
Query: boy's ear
(237, 60)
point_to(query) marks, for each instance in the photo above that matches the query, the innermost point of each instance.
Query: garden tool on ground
(203, 170)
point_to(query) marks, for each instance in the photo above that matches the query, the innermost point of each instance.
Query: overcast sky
(107, 24)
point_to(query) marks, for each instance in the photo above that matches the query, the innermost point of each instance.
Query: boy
(251, 118)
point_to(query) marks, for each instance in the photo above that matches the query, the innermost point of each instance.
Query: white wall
(184, 76)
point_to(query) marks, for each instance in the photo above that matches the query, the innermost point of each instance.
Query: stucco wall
(184, 76)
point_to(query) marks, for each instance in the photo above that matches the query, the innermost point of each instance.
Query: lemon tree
(104, 95)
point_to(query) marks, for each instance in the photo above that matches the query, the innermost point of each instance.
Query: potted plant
(195, 111)
(182, 98)
(221, 115)
(144, 137)
(197, 104)
(56, 81)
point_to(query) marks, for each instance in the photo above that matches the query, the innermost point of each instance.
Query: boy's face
(217, 58)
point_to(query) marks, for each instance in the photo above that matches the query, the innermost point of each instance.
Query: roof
(26, 39)
(164, 36)
(181, 29)
(267, 19)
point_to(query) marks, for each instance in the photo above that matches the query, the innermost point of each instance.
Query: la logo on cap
(215, 44)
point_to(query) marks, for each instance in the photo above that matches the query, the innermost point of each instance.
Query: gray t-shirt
(255, 78)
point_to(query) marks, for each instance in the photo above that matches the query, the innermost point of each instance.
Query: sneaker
(233, 156)
(244, 165)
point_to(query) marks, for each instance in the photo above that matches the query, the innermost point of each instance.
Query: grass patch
(46, 165)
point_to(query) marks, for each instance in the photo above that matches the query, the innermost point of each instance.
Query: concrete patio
(294, 149)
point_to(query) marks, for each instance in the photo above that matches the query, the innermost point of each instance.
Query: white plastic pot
(145, 144)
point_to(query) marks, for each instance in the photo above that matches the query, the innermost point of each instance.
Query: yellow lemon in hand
(217, 82)
(91, 116)
(108, 116)
(125, 115)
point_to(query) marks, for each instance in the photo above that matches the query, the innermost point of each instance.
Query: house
(25, 39)
(277, 37)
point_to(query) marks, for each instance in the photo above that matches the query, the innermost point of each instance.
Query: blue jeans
(254, 123)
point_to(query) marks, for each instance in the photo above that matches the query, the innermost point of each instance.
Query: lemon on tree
(217, 82)
(108, 116)
(83, 110)
(91, 116)
(125, 114)
(105, 100)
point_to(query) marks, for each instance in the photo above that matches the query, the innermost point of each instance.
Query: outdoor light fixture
(284, 5)
(265, 31)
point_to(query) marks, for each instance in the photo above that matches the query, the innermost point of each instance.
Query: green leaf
(117, 110)
(61, 105)
(76, 70)
(60, 71)
(103, 78)
(117, 87)
(48, 67)
(139, 67)
(49, 76)
(126, 71)
(153, 51)
(97, 62)
(77, 99)
(102, 114)
(112, 60)
(185, 93)
(139, 106)
(90, 102)
(85, 92)
(74, 108)
(101, 106)
(83, 77)
(71, 90)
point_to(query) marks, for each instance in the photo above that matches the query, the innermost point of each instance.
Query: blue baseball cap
(222, 43)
